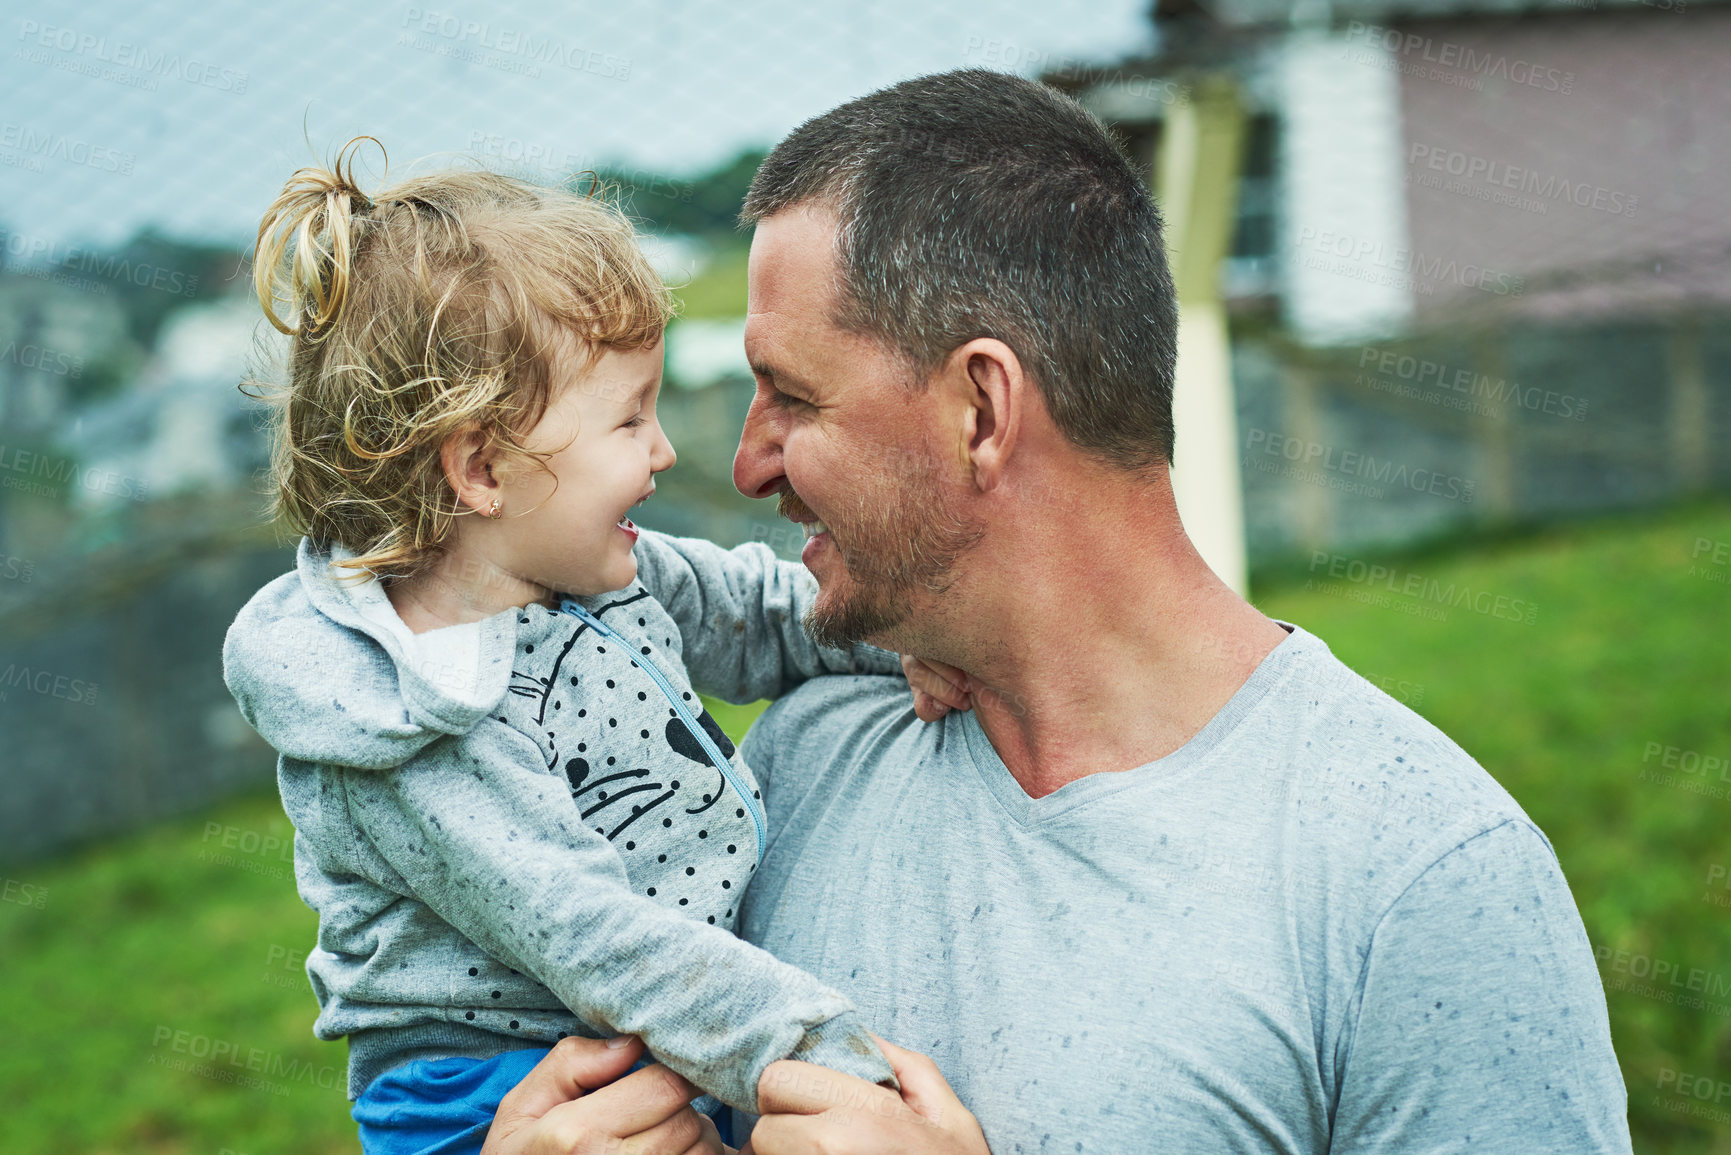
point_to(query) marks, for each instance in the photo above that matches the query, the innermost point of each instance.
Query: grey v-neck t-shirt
(1319, 926)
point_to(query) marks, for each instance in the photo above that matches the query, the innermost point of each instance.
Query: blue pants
(444, 1106)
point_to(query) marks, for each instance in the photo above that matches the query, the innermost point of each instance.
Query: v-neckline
(1172, 768)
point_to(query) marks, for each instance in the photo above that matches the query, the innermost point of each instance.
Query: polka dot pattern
(633, 771)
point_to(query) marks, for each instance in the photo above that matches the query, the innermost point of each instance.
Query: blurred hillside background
(1455, 275)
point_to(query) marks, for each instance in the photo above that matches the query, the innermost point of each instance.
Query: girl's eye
(636, 421)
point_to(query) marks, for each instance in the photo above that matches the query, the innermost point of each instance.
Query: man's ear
(994, 391)
(467, 457)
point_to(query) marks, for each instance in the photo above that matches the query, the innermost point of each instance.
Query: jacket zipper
(752, 806)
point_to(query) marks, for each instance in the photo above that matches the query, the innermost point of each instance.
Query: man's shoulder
(831, 713)
(840, 702)
(836, 704)
(1360, 769)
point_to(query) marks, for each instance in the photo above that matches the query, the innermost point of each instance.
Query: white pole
(1196, 178)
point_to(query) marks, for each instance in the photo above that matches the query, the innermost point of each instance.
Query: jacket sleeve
(496, 847)
(739, 613)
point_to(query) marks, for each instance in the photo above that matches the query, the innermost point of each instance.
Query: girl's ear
(467, 457)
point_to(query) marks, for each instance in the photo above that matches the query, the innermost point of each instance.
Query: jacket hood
(326, 675)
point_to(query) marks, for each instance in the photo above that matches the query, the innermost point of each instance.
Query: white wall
(1346, 253)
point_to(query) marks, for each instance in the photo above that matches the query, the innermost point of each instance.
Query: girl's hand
(937, 688)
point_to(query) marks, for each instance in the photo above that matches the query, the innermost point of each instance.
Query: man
(1176, 879)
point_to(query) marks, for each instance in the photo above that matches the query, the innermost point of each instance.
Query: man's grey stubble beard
(912, 545)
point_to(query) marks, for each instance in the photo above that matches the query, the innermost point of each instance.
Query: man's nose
(757, 468)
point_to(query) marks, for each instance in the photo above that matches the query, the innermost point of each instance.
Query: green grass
(1629, 646)
(171, 931)
(149, 936)
(128, 962)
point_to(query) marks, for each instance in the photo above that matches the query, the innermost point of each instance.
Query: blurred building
(1477, 251)
(183, 426)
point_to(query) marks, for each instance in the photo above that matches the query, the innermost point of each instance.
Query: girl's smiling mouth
(625, 524)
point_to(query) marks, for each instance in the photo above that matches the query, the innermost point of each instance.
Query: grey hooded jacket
(513, 837)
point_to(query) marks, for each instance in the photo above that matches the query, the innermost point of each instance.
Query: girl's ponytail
(317, 213)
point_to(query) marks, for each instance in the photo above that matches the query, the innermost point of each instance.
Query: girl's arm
(738, 612)
(495, 846)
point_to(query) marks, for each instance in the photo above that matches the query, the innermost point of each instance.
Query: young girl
(513, 816)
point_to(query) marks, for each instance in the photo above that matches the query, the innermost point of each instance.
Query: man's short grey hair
(978, 204)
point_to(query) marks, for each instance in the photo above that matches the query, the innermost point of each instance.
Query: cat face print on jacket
(638, 775)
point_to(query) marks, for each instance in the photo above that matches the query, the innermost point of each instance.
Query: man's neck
(1097, 639)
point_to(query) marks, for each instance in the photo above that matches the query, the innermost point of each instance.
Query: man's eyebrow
(765, 369)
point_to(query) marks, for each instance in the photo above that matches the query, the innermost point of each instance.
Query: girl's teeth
(813, 528)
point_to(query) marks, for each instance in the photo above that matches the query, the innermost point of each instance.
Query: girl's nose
(663, 455)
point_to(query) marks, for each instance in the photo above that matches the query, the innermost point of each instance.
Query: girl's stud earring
(494, 511)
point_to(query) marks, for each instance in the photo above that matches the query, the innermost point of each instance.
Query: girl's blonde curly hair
(433, 306)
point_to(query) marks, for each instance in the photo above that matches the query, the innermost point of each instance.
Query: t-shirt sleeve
(739, 613)
(1479, 1023)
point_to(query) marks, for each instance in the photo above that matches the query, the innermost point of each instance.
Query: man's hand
(937, 688)
(570, 1105)
(807, 1108)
